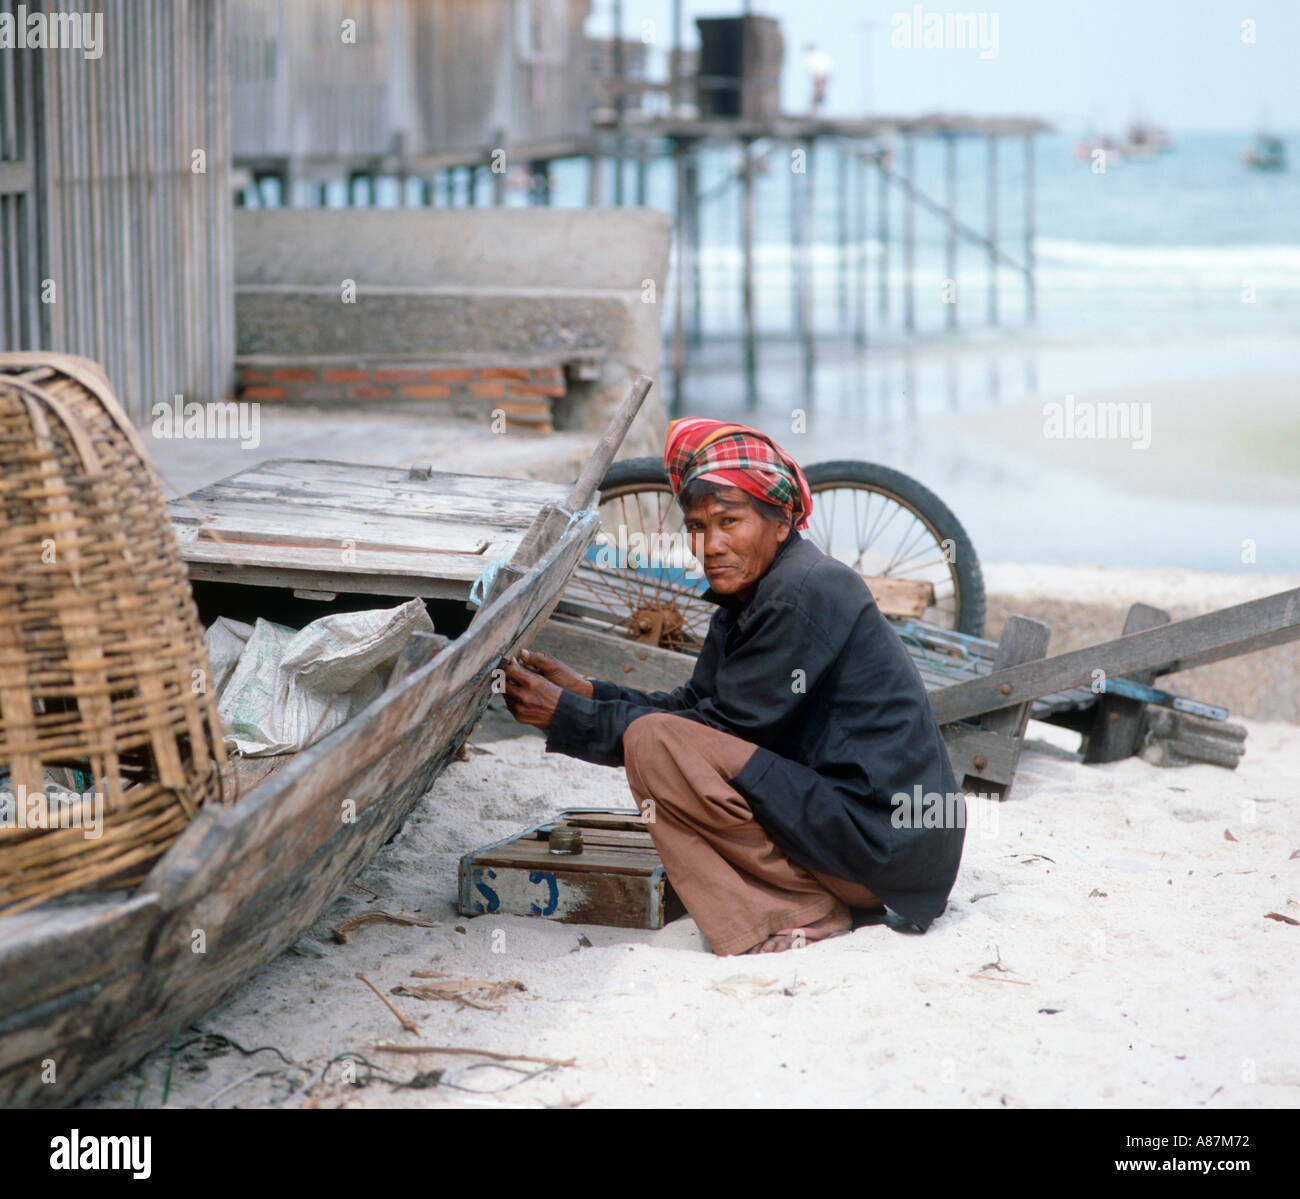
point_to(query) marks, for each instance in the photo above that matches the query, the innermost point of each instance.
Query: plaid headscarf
(739, 456)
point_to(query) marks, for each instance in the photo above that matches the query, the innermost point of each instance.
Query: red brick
(345, 376)
(264, 393)
(487, 391)
(535, 408)
(426, 391)
(297, 374)
(370, 393)
(503, 372)
(398, 375)
(536, 389)
(517, 426)
(248, 375)
(449, 376)
(549, 374)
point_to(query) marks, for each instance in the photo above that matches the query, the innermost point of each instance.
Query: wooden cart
(984, 693)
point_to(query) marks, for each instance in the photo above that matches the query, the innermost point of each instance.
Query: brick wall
(523, 395)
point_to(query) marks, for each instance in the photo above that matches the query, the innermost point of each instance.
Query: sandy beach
(1118, 935)
(1018, 289)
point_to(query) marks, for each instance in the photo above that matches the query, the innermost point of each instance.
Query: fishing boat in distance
(1267, 152)
(1142, 142)
(1089, 146)
(1145, 140)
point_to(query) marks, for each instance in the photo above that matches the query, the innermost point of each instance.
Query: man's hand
(555, 671)
(530, 698)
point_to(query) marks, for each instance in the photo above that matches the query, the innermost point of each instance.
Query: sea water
(1174, 270)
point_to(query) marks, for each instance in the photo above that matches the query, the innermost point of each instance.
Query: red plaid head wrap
(739, 456)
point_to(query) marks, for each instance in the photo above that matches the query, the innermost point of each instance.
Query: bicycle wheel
(640, 580)
(885, 524)
(880, 521)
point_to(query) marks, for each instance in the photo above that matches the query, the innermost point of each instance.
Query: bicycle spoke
(887, 538)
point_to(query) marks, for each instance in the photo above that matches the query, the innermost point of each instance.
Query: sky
(1184, 64)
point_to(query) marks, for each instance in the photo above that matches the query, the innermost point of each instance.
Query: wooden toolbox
(616, 880)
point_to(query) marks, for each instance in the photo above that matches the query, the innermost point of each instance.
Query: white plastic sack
(287, 689)
(225, 641)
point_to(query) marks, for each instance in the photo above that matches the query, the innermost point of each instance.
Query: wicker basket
(102, 666)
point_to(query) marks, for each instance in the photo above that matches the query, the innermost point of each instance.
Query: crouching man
(770, 777)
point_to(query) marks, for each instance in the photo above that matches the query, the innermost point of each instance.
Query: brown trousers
(736, 884)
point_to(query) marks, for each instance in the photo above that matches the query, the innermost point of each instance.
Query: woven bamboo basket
(103, 697)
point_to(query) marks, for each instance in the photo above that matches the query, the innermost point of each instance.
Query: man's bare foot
(835, 923)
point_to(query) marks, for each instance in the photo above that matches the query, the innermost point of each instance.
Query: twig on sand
(996, 964)
(993, 978)
(488, 1053)
(378, 916)
(407, 1023)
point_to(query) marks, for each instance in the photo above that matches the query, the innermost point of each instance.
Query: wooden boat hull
(90, 985)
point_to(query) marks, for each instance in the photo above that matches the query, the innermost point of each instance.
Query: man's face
(733, 543)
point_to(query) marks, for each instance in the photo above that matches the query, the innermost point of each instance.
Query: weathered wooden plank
(354, 479)
(326, 582)
(1023, 640)
(620, 838)
(340, 560)
(1177, 646)
(615, 659)
(983, 754)
(81, 933)
(473, 509)
(242, 774)
(420, 648)
(312, 528)
(526, 551)
(61, 967)
(900, 597)
(404, 519)
(617, 859)
(605, 818)
(1117, 721)
(1180, 738)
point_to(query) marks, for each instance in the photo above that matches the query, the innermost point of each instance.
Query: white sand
(1111, 895)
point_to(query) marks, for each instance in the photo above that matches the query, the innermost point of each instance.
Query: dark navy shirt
(810, 672)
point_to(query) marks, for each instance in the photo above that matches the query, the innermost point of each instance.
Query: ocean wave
(1274, 256)
(1060, 264)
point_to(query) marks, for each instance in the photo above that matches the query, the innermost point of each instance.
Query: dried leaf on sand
(468, 992)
